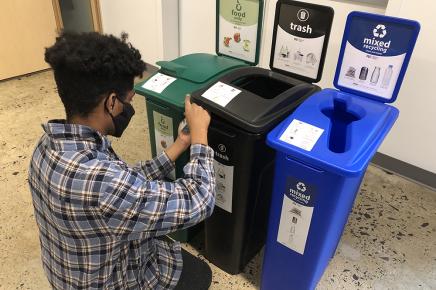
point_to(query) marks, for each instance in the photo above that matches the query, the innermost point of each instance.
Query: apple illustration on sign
(237, 37)
(227, 41)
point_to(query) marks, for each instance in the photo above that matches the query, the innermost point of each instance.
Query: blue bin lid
(374, 56)
(363, 137)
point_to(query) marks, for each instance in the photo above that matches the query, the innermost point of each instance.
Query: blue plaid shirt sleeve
(155, 169)
(136, 207)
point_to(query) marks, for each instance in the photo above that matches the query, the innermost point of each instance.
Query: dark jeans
(196, 274)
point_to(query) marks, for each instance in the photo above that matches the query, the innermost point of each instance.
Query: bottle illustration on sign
(284, 51)
(375, 75)
(295, 213)
(311, 59)
(298, 56)
(387, 77)
(363, 73)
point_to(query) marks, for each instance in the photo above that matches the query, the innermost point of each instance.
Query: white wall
(197, 26)
(152, 25)
(413, 139)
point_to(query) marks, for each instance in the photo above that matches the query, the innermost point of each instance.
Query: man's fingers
(188, 102)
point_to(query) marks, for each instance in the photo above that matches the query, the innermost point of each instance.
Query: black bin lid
(232, 98)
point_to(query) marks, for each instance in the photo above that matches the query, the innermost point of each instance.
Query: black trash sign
(301, 34)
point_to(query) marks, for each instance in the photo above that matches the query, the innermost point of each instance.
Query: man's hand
(198, 121)
(184, 136)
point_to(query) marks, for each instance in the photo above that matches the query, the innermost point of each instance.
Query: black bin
(243, 163)
(245, 104)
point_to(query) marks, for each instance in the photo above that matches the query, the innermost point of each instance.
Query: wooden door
(26, 28)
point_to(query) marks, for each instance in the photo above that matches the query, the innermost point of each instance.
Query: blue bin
(314, 190)
(325, 146)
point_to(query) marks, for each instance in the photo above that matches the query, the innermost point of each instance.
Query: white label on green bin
(302, 135)
(221, 93)
(158, 83)
(163, 135)
(296, 216)
(224, 185)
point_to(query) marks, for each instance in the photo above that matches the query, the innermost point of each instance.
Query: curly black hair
(88, 66)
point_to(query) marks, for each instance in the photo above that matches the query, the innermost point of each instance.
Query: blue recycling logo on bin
(378, 38)
(300, 191)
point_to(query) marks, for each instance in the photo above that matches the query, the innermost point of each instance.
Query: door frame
(95, 14)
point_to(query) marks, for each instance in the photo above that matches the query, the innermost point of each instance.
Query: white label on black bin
(224, 185)
(158, 83)
(296, 216)
(221, 93)
(302, 135)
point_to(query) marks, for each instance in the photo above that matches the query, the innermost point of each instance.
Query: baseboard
(406, 170)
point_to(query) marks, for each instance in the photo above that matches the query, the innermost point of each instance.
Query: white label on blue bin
(301, 135)
(296, 215)
(158, 83)
(224, 185)
(221, 93)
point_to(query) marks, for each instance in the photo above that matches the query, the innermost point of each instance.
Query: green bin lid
(192, 72)
(198, 67)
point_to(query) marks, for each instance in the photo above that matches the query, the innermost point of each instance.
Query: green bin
(165, 90)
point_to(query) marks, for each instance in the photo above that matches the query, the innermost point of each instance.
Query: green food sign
(239, 27)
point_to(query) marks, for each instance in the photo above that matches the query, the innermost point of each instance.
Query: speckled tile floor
(389, 241)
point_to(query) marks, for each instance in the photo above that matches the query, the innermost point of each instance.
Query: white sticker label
(158, 83)
(294, 225)
(221, 93)
(163, 135)
(302, 135)
(224, 185)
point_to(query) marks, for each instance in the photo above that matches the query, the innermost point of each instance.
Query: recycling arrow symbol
(380, 31)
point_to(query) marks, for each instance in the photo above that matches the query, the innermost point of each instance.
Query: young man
(99, 218)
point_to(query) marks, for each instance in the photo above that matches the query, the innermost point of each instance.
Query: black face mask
(122, 120)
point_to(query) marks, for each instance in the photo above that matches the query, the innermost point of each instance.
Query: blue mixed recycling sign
(375, 52)
(300, 192)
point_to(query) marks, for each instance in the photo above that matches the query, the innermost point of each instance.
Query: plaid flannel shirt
(98, 218)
